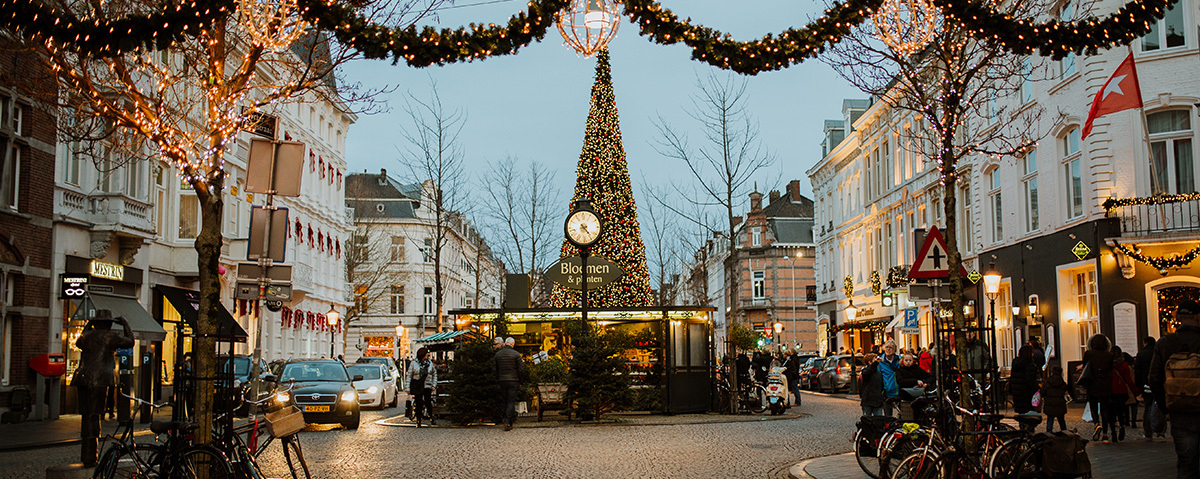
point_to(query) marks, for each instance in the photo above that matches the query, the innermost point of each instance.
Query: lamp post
(331, 318)
(795, 332)
(779, 334)
(991, 287)
(851, 313)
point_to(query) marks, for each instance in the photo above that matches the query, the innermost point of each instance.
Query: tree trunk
(204, 344)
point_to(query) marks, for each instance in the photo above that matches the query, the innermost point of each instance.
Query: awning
(144, 326)
(442, 337)
(896, 323)
(187, 302)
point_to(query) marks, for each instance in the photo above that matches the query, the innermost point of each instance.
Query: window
(397, 249)
(359, 248)
(1032, 217)
(189, 217)
(428, 251)
(756, 236)
(1166, 33)
(1172, 164)
(1086, 302)
(1073, 173)
(996, 203)
(135, 179)
(10, 174)
(1066, 66)
(429, 306)
(1027, 80)
(361, 304)
(397, 296)
(72, 163)
(759, 284)
(107, 183)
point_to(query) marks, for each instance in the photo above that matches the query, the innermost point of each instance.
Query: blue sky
(533, 105)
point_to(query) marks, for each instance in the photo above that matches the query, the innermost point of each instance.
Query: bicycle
(751, 397)
(283, 424)
(174, 458)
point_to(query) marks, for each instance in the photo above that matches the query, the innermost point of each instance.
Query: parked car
(809, 371)
(836, 374)
(377, 387)
(232, 399)
(323, 389)
(397, 374)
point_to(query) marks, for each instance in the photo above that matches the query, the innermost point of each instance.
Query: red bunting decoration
(338, 243)
(310, 233)
(286, 136)
(312, 160)
(320, 240)
(329, 243)
(321, 165)
(331, 171)
(299, 232)
(339, 185)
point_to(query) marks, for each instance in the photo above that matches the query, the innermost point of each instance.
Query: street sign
(264, 222)
(282, 175)
(974, 276)
(932, 262)
(73, 286)
(924, 292)
(276, 281)
(273, 292)
(910, 318)
(568, 272)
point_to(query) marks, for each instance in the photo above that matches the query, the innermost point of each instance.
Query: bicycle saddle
(1028, 419)
(163, 427)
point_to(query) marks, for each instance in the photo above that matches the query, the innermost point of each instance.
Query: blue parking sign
(910, 318)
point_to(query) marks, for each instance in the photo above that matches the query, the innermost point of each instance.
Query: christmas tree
(603, 177)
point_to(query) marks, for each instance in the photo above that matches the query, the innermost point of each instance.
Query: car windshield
(367, 372)
(322, 371)
(241, 366)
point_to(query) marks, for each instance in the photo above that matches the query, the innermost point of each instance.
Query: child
(1054, 399)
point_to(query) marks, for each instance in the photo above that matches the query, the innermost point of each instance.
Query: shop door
(689, 382)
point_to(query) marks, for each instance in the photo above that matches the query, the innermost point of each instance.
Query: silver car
(836, 374)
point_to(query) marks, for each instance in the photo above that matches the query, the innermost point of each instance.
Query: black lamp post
(331, 318)
(991, 287)
(851, 313)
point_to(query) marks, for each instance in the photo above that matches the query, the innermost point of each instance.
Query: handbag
(1037, 399)
(1087, 413)
(1085, 376)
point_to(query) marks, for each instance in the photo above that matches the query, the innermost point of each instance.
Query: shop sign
(974, 276)
(568, 272)
(1081, 250)
(104, 270)
(73, 286)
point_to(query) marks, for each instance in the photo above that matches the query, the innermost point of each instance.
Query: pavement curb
(799, 471)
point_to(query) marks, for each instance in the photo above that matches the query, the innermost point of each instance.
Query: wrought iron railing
(1155, 216)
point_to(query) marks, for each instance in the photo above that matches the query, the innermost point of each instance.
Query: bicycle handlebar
(143, 401)
(260, 402)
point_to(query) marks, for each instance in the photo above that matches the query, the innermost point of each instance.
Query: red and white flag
(1120, 92)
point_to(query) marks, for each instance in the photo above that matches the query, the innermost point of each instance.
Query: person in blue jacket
(889, 363)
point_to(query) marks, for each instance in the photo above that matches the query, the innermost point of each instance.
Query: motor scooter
(777, 390)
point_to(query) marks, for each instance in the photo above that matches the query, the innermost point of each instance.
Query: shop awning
(442, 337)
(896, 323)
(144, 326)
(187, 302)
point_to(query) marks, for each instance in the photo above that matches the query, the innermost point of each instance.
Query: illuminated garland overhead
(429, 46)
(897, 277)
(1055, 38)
(871, 324)
(1114, 203)
(1160, 264)
(876, 283)
(110, 37)
(848, 286)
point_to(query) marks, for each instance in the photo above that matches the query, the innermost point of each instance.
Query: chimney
(737, 220)
(755, 201)
(774, 196)
(793, 189)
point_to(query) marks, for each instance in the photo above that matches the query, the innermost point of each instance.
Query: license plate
(316, 408)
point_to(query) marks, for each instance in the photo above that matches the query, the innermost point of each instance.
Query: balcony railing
(1164, 218)
(755, 303)
(119, 212)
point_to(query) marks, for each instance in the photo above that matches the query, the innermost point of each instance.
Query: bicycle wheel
(866, 453)
(295, 457)
(125, 462)
(201, 462)
(1029, 464)
(899, 449)
(1000, 462)
(758, 399)
(921, 464)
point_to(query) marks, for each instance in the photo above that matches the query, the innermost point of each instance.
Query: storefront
(178, 310)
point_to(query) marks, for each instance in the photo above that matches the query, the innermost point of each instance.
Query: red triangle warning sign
(933, 262)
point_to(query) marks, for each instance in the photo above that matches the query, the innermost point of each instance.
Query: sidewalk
(61, 432)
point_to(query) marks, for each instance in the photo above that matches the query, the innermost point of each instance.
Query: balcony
(755, 303)
(1153, 220)
(117, 212)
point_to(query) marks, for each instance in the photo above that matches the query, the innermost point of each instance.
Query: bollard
(69, 471)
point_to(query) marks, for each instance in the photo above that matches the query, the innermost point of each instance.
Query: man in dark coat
(1185, 425)
(1141, 372)
(791, 370)
(95, 375)
(508, 366)
(871, 390)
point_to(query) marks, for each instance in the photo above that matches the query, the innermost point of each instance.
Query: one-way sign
(932, 262)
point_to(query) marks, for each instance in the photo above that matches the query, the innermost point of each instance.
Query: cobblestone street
(710, 446)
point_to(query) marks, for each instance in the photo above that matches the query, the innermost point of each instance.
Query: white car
(377, 387)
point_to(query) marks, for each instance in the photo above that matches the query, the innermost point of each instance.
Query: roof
(834, 124)
(792, 230)
(379, 196)
(785, 207)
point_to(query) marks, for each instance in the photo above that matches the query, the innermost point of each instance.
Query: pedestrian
(910, 375)
(889, 362)
(1096, 377)
(1122, 392)
(96, 376)
(1170, 351)
(509, 367)
(870, 389)
(1054, 399)
(1151, 413)
(925, 360)
(791, 371)
(422, 381)
(762, 364)
(743, 369)
(1024, 380)
(1039, 353)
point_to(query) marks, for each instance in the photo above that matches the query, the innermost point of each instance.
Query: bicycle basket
(285, 422)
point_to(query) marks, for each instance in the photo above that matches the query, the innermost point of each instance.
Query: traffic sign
(910, 318)
(932, 262)
(268, 233)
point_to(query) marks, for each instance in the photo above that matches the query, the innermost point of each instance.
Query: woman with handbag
(1123, 392)
(1024, 380)
(422, 380)
(1097, 378)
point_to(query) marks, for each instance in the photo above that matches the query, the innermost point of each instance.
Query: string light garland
(1114, 203)
(848, 286)
(906, 25)
(1054, 38)
(876, 283)
(603, 177)
(102, 37)
(274, 24)
(871, 324)
(1163, 264)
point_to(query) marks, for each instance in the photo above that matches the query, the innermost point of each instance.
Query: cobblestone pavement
(701, 446)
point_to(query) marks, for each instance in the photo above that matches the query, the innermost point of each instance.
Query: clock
(583, 226)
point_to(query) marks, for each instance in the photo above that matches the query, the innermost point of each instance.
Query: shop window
(759, 284)
(1168, 32)
(1172, 163)
(189, 217)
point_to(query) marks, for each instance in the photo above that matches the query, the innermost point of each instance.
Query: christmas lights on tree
(603, 178)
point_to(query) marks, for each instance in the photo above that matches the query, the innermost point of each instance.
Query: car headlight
(372, 390)
(349, 396)
(283, 397)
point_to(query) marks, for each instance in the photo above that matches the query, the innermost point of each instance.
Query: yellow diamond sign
(1081, 250)
(974, 276)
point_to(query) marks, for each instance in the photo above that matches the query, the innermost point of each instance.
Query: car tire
(395, 399)
(352, 424)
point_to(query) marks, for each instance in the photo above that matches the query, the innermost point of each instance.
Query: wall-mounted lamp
(1034, 315)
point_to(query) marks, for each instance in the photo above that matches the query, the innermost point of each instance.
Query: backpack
(1183, 382)
(1065, 455)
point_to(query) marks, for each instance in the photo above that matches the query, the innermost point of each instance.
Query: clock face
(583, 227)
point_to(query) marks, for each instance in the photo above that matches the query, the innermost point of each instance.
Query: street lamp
(331, 318)
(799, 254)
(778, 326)
(851, 313)
(991, 287)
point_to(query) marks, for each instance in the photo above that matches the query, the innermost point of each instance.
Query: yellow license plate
(316, 408)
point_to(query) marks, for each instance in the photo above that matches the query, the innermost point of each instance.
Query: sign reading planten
(568, 272)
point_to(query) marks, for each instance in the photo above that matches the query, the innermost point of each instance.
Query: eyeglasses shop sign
(73, 286)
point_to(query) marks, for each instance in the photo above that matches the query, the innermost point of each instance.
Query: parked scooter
(777, 390)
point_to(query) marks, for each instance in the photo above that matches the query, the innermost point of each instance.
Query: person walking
(508, 366)
(1097, 378)
(870, 388)
(1152, 417)
(925, 360)
(422, 381)
(1039, 353)
(889, 362)
(1054, 399)
(791, 370)
(1185, 420)
(1024, 380)
(1122, 392)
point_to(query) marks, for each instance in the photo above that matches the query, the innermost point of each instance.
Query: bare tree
(520, 209)
(727, 160)
(662, 244)
(372, 270)
(185, 105)
(957, 85)
(434, 157)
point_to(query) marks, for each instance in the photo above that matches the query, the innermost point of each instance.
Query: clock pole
(583, 256)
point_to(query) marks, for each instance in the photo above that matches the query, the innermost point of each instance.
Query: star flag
(1120, 92)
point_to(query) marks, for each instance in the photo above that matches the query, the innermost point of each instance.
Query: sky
(533, 105)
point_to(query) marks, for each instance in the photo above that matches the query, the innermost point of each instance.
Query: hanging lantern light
(274, 24)
(906, 26)
(588, 25)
